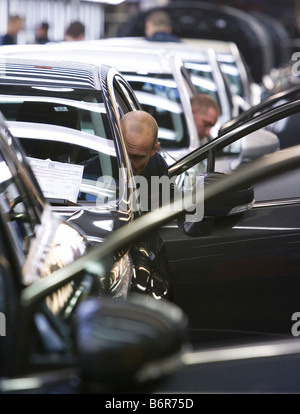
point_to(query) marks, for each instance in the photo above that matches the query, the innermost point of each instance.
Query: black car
(239, 273)
(34, 244)
(68, 120)
(128, 346)
(206, 259)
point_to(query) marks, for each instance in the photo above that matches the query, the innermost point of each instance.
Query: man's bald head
(140, 132)
(141, 123)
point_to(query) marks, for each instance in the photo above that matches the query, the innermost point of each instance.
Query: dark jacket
(8, 40)
(163, 37)
(157, 167)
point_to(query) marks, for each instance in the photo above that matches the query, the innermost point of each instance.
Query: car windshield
(158, 95)
(77, 133)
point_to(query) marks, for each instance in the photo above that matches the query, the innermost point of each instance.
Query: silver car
(161, 82)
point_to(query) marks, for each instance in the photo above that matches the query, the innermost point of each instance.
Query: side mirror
(125, 345)
(234, 201)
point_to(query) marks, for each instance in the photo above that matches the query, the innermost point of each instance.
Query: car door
(240, 272)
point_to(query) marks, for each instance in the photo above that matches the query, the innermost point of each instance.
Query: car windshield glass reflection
(202, 78)
(230, 69)
(74, 119)
(234, 79)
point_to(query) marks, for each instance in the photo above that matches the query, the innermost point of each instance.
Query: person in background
(206, 112)
(41, 33)
(158, 27)
(14, 26)
(75, 31)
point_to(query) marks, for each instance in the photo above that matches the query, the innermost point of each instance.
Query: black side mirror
(232, 202)
(125, 345)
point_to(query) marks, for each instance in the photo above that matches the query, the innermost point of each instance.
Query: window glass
(234, 78)
(74, 118)
(202, 78)
(159, 96)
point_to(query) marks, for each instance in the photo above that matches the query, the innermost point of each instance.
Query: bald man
(140, 132)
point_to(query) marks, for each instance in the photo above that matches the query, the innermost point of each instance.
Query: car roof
(220, 46)
(157, 56)
(156, 60)
(142, 43)
(31, 70)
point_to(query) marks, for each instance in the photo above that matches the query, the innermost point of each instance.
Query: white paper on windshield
(57, 179)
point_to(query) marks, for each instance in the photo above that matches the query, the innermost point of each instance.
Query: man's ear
(155, 148)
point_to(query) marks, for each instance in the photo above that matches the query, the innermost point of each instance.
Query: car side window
(96, 164)
(160, 97)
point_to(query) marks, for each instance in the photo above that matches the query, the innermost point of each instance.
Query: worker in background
(206, 112)
(41, 33)
(14, 26)
(158, 27)
(75, 31)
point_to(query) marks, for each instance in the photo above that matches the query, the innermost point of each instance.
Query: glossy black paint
(209, 150)
(240, 276)
(65, 377)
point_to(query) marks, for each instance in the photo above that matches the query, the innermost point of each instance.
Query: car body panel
(141, 70)
(180, 137)
(223, 59)
(218, 22)
(227, 280)
(85, 103)
(245, 266)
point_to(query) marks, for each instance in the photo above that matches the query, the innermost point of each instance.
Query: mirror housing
(123, 345)
(239, 199)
